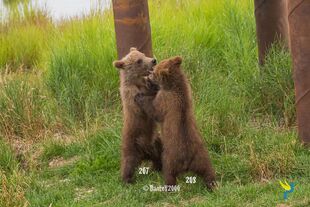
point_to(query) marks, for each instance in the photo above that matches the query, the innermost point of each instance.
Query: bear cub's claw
(212, 185)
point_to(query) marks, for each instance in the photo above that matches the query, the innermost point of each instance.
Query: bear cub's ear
(119, 64)
(176, 60)
(133, 49)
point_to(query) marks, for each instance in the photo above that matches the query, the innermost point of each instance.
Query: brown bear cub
(139, 136)
(183, 148)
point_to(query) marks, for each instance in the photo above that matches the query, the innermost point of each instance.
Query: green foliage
(21, 48)
(54, 149)
(276, 87)
(24, 38)
(12, 180)
(24, 108)
(7, 159)
(80, 73)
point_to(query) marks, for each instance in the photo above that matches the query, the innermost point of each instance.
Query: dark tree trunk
(132, 26)
(299, 21)
(271, 25)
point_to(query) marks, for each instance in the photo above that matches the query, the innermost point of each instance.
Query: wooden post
(132, 26)
(271, 25)
(299, 21)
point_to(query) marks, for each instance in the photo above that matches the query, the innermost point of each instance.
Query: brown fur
(139, 137)
(172, 106)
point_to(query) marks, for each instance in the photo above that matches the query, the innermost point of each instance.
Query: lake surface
(60, 9)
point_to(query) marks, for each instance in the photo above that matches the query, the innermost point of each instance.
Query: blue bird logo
(289, 188)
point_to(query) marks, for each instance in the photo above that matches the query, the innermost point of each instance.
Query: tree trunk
(271, 25)
(299, 21)
(132, 26)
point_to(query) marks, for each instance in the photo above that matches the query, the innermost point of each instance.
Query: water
(63, 9)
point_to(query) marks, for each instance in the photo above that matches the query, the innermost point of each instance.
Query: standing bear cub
(139, 136)
(172, 106)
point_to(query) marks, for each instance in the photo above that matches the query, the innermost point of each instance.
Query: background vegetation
(60, 110)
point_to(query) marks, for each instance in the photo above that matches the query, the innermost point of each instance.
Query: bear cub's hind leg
(201, 165)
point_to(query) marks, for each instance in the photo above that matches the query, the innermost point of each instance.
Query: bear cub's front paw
(152, 87)
(139, 98)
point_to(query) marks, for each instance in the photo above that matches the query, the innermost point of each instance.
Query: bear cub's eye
(139, 61)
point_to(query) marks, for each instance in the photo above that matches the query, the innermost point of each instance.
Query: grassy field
(61, 120)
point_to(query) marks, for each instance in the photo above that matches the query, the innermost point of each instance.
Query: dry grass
(12, 189)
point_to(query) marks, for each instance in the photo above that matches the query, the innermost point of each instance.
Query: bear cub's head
(135, 64)
(166, 71)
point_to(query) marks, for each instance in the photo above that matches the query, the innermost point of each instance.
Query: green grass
(80, 73)
(60, 109)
